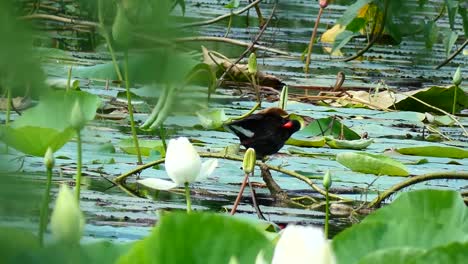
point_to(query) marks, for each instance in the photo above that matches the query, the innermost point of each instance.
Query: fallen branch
(451, 175)
(120, 179)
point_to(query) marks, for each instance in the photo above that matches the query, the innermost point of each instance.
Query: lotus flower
(303, 244)
(183, 165)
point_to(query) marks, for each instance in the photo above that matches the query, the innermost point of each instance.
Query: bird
(265, 131)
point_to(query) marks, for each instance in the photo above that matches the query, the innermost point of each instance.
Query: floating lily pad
(315, 142)
(435, 151)
(325, 127)
(146, 146)
(371, 163)
(348, 144)
(212, 118)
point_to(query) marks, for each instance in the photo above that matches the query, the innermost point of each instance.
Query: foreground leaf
(48, 123)
(200, 238)
(418, 221)
(372, 163)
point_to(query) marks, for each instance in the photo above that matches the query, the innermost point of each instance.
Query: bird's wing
(247, 127)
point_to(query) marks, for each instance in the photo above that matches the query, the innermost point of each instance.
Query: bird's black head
(291, 126)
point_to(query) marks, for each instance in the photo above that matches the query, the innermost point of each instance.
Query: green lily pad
(348, 144)
(326, 127)
(371, 163)
(315, 142)
(146, 146)
(48, 123)
(212, 118)
(435, 151)
(419, 220)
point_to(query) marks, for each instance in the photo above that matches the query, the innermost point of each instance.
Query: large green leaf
(35, 140)
(454, 253)
(48, 123)
(200, 238)
(435, 151)
(372, 163)
(419, 220)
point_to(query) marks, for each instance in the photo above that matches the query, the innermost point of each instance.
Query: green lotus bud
(327, 181)
(67, 221)
(77, 118)
(49, 159)
(284, 97)
(248, 164)
(252, 66)
(457, 78)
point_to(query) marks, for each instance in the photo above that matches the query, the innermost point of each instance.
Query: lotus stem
(162, 135)
(239, 196)
(188, 198)
(327, 212)
(78, 166)
(69, 78)
(454, 106)
(229, 25)
(45, 207)
(312, 39)
(8, 112)
(130, 110)
(107, 39)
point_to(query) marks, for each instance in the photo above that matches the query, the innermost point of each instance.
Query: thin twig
(232, 41)
(452, 55)
(251, 46)
(216, 19)
(61, 19)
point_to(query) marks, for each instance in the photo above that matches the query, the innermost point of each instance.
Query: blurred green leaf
(200, 238)
(20, 70)
(424, 220)
(449, 40)
(48, 123)
(452, 8)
